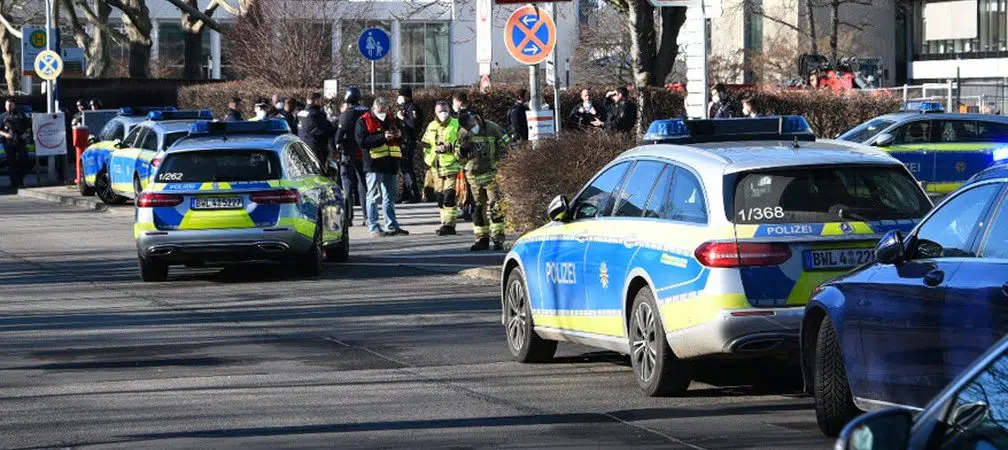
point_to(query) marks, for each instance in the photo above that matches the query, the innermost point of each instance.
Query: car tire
(525, 345)
(310, 264)
(84, 189)
(137, 187)
(834, 402)
(103, 189)
(341, 251)
(151, 271)
(657, 370)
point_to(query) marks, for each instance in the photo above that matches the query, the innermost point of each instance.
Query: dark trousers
(412, 192)
(16, 168)
(354, 183)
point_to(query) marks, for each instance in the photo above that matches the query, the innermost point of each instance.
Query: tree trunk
(642, 40)
(835, 30)
(99, 57)
(138, 29)
(811, 26)
(9, 60)
(193, 46)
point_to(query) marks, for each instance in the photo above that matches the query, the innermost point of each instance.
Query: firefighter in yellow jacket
(481, 146)
(440, 142)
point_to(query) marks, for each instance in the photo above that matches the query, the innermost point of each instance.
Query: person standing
(234, 110)
(380, 142)
(460, 105)
(78, 117)
(481, 146)
(587, 114)
(96, 104)
(351, 159)
(14, 129)
(621, 116)
(287, 114)
(411, 121)
(315, 129)
(439, 142)
(261, 109)
(720, 105)
(749, 107)
(517, 117)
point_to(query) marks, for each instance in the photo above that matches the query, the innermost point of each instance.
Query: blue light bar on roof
(722, 130)
(931, 107)
(667, 129)
(143, 110)
(270, 126)
(180, 115)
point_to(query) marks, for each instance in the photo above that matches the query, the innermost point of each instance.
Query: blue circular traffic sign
(374, 43)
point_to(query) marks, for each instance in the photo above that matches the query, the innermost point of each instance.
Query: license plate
(838, 258)
(217, 203)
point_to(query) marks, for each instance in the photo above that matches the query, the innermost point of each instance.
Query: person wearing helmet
(349, 155)
(481, 145)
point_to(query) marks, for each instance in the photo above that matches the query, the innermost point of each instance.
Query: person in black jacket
(587, 114)
(351, 160)
(234, 110)
(315, 129)
(721, 106)
(622, 113)
(380, 141)
(411, 122)
(517, 118)
(15, 127)
(287, 114)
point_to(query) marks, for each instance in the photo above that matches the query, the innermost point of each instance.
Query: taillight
(732, 254)
(154, 200)
(276, 197)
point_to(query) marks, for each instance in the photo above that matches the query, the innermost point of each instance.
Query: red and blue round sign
(530, 35)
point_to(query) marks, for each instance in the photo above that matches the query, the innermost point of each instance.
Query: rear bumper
(230, 245)
(739, 332)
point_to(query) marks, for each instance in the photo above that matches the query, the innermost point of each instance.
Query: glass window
(988, 36)
(978, 417)
(828, 195)
(637, 189)
(133, 138)
(354, 69)
(171, 138)
(425, 53)
(947, 131)
(597, 199)
(996, 244)
(219, 165)
(867, 130)
(918, 132)
(992, 131)
(657, 206)
(948, 231)
(687, 200)
(149, 141)
(310, 161)
(112, 130)
(295, 165)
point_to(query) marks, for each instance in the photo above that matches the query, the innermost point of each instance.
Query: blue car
(895, 331)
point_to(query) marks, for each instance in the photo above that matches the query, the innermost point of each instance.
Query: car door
(958, 153)
(912, 146)
(900, 315)
(146, 152)
(560, 270)
(608, 258)
(123, 163)
(976, 307)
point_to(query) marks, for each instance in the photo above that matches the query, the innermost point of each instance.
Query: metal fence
(991, 98)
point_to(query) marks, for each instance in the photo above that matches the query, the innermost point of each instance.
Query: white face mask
(455, 108)
(475, 129)
(379, 115)
(260, 114)
(278, 105)
(442, 116)
(400, 100)
(587, 104)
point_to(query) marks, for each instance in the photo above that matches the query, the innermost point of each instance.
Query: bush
(531, 177)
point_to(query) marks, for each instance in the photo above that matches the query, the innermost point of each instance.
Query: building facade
(965, 38)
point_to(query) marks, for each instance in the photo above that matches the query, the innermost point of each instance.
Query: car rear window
(817, 195)
(171, 138)
(219, 165)
(866, 130)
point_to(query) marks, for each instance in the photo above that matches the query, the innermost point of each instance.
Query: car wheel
(103, 189)
(525, 345)
(341, 251)
(310, 264)
(84, 189)
(833, 400)
(152, 270)
(657, 370)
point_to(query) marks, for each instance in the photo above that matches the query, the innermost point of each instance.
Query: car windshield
(831, 194)
(170, 138)
(219, 165)
(867, 130)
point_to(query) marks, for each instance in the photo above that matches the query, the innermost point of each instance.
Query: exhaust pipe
(272, 247)
(161, 251)
(758, 346)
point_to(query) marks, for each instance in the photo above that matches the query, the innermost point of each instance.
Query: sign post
(374, 43)
(530, 36)
(484, 35)
(553, 79)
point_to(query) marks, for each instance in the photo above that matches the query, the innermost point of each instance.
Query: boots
(445, 230)
(498, 245)
(481, 244)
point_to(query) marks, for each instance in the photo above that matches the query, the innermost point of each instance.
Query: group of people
(618, 114)
(722, 106)
(367, 147)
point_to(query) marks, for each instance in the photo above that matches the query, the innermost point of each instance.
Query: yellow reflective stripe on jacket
(386, 151)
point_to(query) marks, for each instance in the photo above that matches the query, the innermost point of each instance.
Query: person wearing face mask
(439, 143)
(380, 141)
(261, 109)
(409, 117)
(315, 129)
(749, 107)
(481, 145)
(720, 105)
(587, 114)
(516, 115)
(460, 106)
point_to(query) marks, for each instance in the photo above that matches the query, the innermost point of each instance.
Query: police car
(941, 150)
(706, 242)
(117, 169)
(239, 191)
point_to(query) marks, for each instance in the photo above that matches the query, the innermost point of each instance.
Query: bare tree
(13, 14)
(93, 33)
(654, 38)
(602, 53)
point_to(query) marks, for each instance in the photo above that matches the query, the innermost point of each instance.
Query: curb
(69, 200)
(490, 273)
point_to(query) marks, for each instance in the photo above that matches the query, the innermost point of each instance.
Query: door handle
(934, 278)
(582, 236)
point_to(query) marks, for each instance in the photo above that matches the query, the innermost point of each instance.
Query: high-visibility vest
(448, 133)
(391, 148)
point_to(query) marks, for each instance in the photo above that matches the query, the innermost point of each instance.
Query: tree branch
(209, 12)
(131, 13)
(195, 13)
(10, 28)
(116, 36)
(227, 7)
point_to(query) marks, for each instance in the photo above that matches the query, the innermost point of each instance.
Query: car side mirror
(884, 140)
(558, 209)
(888, 429)
(117, 144)
(890, 249)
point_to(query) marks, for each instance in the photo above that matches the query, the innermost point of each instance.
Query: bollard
(80, 140)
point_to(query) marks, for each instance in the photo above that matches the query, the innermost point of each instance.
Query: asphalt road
(389, 351)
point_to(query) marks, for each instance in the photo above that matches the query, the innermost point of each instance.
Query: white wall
(969, 68)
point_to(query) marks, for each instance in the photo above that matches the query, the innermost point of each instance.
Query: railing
(991, 98)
